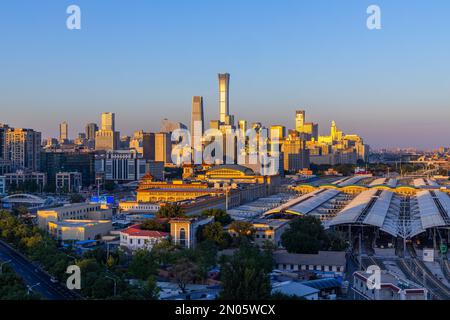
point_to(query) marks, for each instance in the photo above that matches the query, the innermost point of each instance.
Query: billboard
(108, 200)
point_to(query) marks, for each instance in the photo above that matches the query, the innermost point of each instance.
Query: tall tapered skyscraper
(224, 105)
(197, 114)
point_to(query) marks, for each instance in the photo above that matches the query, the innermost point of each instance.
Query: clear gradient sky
(145, 59)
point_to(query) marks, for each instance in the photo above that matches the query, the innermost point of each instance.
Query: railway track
(417, 271)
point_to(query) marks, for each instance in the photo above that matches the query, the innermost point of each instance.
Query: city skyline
(397, 76)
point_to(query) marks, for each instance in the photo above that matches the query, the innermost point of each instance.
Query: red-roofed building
(134, 238)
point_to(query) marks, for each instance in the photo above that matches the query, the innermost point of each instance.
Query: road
(33, 275)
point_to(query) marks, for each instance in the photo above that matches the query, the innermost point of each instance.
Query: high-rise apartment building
(23, 148)
(163, 147)
(63, 132)
(224, 95)
(197, 114)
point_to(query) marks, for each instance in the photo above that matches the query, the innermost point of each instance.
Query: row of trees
(100, 272)
(307, 235)
(13, 288)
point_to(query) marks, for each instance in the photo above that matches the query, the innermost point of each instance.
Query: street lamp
(1, 266)
(30, 288)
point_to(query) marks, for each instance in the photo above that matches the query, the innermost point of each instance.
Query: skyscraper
(224, 105)
(299, 120)
(91, 129)
(163, 147)
(23, 149)
(107, 138)
(197, 114)
(63, 132)
(108, 121)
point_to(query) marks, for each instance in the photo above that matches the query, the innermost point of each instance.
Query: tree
(242, 229)
(245, 275)
(152, 224)
(151, 289)
(307, 235)
(170, 211)
(219, 216)
(76, 198)
(164, 252)
(109, 186)
(335, 241)
(214, 232)
(142, 265)
(184, 272)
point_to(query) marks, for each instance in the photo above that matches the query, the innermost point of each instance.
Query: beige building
(23, 149)
(183, 231)
(79, 230)
(107, 138)
(79, 211)
(163, 147)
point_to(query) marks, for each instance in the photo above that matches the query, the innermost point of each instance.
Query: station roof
(378, 212)
(353, 210)
(377, 182)
(429, 212)
(314, 202)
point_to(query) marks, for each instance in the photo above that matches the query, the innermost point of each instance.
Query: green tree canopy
(307, 235)
(219, 215)
(244, 275)
(170, 211)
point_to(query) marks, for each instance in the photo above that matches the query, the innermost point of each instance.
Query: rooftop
(136, 231)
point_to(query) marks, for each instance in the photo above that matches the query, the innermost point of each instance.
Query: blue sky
(145, 59)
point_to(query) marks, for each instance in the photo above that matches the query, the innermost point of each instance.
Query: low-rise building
(326, 263)
(79, 230)
(296, 289)
(138, 207)
(391, 287)
(183, 231)
(269, 230)
(20, 177)
(134, 238)
(78, 211)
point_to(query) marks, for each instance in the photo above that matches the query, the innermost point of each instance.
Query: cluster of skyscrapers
(100, 151)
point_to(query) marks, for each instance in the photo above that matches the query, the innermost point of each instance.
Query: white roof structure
(352, 180)
(378, 212)
(353, 210)
(257, 208)
(314, 202)
(432, 183)
(429, 212)
(418, 183)
(392, 182)
(382, 209)
(378, 182)
(306, 203)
